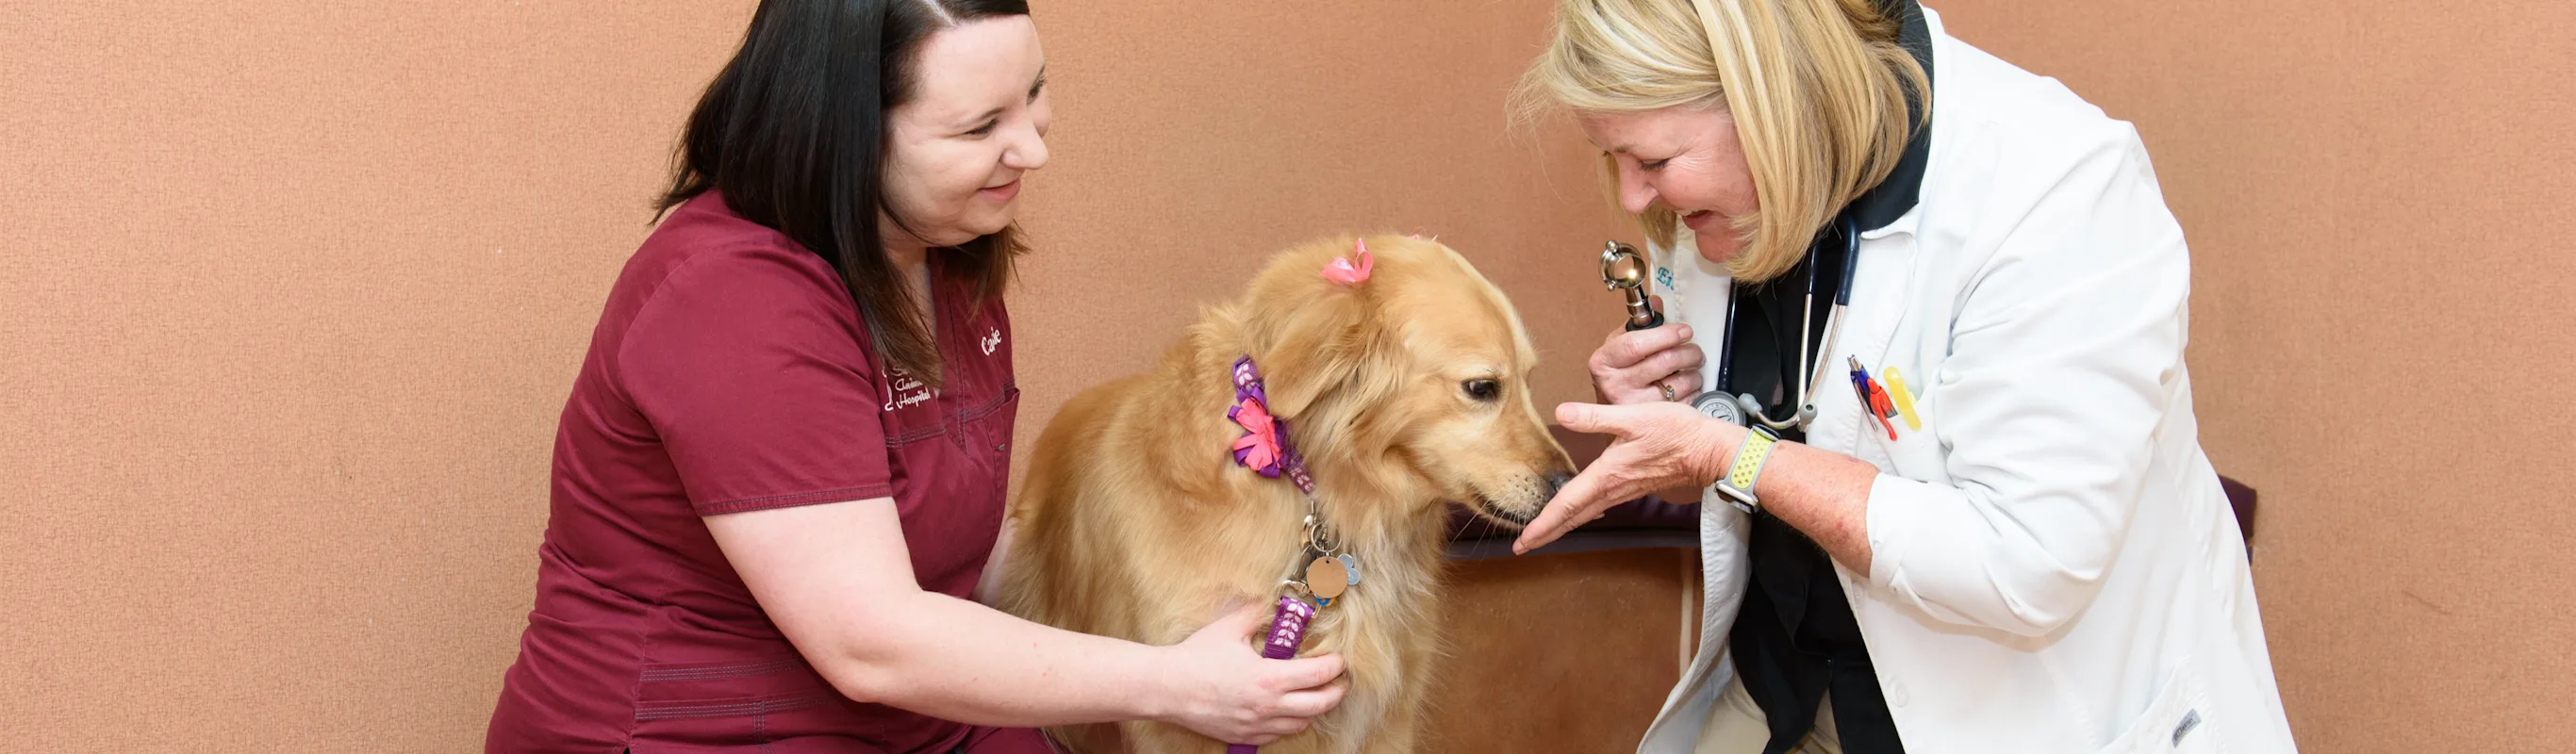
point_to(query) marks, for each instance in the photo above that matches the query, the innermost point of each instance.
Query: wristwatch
(1737, 483)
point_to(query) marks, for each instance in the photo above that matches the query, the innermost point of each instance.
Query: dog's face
(1423, 372)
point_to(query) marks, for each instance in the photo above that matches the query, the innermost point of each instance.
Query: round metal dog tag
(1350, 564)
(1327, 577)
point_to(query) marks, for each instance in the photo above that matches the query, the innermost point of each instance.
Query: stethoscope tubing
(1807, 362)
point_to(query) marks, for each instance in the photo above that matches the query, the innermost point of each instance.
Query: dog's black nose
(1556, 481)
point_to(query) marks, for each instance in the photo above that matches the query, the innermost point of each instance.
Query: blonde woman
(1971, 512)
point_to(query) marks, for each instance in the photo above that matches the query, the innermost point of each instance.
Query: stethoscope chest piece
(1720, 406)
(1733, 409)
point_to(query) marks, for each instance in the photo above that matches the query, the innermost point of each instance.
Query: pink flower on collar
(1258, 448)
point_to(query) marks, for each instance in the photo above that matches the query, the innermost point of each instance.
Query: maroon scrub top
(731, 373)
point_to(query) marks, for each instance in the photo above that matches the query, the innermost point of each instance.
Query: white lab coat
(2055, 568)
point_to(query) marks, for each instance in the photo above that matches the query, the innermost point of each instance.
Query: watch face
(1719, 406)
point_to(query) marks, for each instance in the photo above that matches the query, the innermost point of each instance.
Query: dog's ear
(1320, 339)
(1317, 348)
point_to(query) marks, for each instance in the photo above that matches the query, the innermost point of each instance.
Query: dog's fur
(1135, 521)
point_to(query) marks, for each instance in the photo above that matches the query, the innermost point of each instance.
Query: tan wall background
(295, 290)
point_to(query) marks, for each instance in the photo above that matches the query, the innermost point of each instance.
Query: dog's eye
(1483, 390)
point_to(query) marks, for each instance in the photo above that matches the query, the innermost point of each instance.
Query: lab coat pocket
(1916, 452)
(2173, 722)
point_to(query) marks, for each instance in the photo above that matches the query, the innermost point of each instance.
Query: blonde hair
(1817, 89)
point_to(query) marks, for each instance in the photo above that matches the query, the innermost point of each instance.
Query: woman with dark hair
(780, 474)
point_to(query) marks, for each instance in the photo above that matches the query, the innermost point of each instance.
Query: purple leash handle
(1287, 631)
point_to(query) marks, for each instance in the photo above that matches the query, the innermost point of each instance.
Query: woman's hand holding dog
(1653, 446)
(1224, 690)
(1639, 366)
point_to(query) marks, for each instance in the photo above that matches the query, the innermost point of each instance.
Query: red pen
(1882, 407)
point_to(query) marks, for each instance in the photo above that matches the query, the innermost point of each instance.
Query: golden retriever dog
(1404, 392)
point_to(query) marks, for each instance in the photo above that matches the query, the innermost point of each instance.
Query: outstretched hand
(1653, 446)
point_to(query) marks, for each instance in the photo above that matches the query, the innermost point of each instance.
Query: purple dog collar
(1265, 447)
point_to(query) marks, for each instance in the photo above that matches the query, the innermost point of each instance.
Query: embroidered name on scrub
(905, 391)
(992, 340)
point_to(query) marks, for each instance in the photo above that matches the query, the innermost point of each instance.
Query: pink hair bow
(1343, 271)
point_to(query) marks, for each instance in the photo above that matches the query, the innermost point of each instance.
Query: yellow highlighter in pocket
(1904, 398)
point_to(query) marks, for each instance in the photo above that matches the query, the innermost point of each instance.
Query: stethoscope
(1623, 270)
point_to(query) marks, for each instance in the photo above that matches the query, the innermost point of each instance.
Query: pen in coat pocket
(1873, 400)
